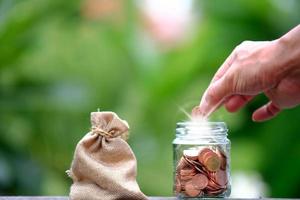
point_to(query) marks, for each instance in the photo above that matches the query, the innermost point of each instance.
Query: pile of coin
(201, 172)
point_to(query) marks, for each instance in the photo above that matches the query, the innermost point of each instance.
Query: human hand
(271, 67)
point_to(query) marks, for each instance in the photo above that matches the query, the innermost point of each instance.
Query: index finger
(224, 67)
(214, 96)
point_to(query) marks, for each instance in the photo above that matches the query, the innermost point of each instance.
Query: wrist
(290, 45)
(288, 52)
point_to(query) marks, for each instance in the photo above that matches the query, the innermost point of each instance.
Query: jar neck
(201, 129)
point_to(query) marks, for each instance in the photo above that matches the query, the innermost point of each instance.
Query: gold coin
(212, 161)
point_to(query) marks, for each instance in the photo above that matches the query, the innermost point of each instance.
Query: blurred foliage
(56, 66)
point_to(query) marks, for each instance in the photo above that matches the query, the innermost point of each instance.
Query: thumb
(265, 112)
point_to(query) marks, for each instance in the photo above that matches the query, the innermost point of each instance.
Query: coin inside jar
(212, 161)
(196, 112)
(188, 171)
(177, 186)
(201, 158)
(221, 154)
(199, 172)
(200, 181)
(190, 189)
(202, 153)
(221, 177)
(182, 164)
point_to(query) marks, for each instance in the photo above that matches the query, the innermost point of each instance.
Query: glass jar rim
(201, 123)
(201, 128)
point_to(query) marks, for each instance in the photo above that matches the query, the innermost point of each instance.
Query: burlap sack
(104, 166)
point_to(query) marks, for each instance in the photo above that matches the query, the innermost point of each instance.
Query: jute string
(100, 131)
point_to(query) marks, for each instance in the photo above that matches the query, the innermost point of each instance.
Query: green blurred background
(147, 61)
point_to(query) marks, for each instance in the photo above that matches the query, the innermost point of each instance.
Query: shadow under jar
(201, 160)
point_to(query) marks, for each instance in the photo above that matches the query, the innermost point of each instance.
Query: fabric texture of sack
(104, 166)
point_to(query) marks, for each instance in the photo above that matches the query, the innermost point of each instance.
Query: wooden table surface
(66, 198)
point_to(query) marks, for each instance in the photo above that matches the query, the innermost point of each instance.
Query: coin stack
(202, 172)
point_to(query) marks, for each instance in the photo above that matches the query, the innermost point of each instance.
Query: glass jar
(201, 160)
